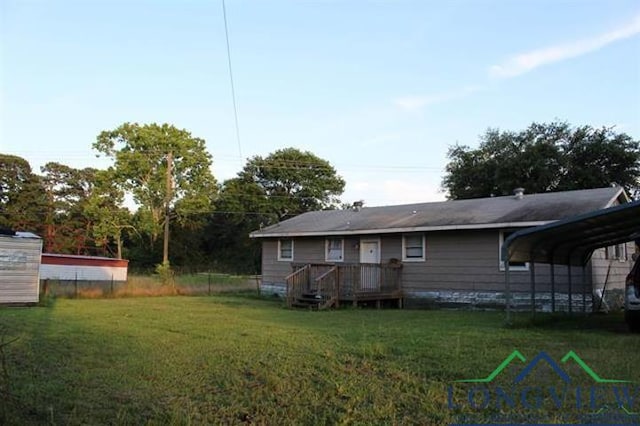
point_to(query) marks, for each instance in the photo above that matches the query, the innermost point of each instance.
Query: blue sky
(381, 89)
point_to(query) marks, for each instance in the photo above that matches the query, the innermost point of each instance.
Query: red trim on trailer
(71, 260)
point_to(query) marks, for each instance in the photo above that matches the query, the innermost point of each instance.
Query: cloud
(416, 102)
(528, 61)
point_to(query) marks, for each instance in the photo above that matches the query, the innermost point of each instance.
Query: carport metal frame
(569, 242)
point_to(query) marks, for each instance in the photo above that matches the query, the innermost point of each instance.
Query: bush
(166, 274)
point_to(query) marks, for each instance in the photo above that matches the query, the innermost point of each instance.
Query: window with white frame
(285, 249)
(513, 266)
(413, 247)
(617, 252)
(620, 251)
(334, 250)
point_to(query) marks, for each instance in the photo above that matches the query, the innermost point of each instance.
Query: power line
(281, 164)
(233, 89)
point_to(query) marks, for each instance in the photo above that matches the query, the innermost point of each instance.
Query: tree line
(184, 215)
(167, 173)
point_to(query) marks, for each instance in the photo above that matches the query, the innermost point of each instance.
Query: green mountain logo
(542, 356)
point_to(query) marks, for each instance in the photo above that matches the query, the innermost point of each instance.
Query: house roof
(479, 213)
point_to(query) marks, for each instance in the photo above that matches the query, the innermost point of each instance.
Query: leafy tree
(22, 200)
(241, 208)
(294, 181)
(67, 189)
(285, 183)
(104, 208)
(542, 158)
(165, 169)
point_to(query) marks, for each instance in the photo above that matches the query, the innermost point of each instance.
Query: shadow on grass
(60, 371)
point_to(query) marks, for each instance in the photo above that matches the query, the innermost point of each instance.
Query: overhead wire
(233, 89)
(292, 164)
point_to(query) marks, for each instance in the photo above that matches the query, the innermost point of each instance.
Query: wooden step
(312, 299)
(306, 305)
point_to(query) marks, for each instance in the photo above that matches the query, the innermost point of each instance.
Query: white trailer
(66, 267)
(19, 267)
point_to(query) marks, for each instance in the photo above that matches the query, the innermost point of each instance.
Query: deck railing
(303, 280)
(296, 283)
(327, 287)
(347, 280)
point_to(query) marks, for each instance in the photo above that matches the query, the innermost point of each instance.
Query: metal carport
(569, 242)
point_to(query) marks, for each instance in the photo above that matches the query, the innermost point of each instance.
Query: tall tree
(165, 169)
(283, 184)
(69, 230)
(544, 157)
(22, 200)
(103, 207)
(294, 181)
(241, 208)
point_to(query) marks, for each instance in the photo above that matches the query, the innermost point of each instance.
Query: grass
(238, 360)
(151, 285)
(217, 279)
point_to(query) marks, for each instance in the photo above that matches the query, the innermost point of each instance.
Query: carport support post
(553, 287)
(570, 288)
(507, 289)
(533, 287)
(584, 289)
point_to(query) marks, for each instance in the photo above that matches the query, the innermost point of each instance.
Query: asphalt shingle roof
(531, 209)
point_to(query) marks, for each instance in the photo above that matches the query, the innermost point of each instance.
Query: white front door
(369, 268)
(369, 251)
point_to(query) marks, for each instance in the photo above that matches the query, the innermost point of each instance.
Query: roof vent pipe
(518, 193)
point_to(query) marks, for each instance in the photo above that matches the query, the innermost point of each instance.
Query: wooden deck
(330, 285)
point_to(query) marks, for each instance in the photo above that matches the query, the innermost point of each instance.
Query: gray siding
(456, 262)
(351, 249)
(305, 250)
(19, 269)
(469, 260)
(273, 271)
(616, 269)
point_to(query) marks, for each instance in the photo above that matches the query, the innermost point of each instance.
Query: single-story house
(444, 252)
(19, 267)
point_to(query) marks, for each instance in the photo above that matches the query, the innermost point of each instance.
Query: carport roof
(571, 241)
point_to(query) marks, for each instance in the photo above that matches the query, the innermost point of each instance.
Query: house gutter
(275, 234)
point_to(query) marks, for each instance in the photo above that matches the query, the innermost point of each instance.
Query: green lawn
(225, 359)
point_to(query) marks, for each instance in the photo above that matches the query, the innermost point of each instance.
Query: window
(617, 252)
(513, 266)
(334, 250)
(285, 249)
(413, 248)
